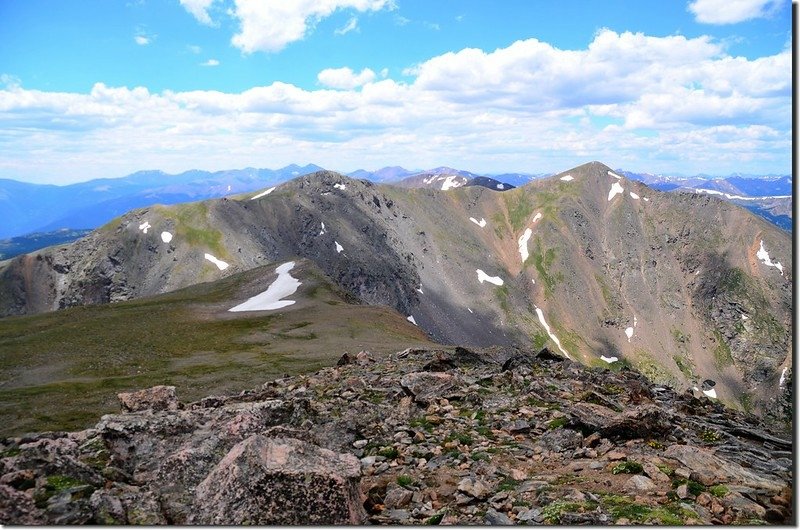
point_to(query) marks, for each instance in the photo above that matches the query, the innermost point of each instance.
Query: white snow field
(284, 285)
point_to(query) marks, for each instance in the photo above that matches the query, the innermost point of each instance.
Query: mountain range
(46, 209)
(693, 291)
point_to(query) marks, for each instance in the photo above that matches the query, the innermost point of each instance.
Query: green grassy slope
(61, 370)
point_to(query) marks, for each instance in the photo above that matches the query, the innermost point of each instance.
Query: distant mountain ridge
(31, 208)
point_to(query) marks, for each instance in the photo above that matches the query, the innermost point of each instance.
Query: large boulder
(156, 398)
(280, 481)
(426, 387)
(644, 421)
(709, 469)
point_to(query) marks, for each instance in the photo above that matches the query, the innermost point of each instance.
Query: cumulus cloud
(351, 25)
(731, 11)
(199, 10)
(210, 62)
(141, 40)
(345, 78)
(631, 100)
(271, 26)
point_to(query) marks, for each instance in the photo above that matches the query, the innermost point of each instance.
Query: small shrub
(557, 423)
(668, 471)
(405, 480)
(631, 468)
(718, 490)
(507, 484)
(709, 435)
(655, 444)
(388, 452)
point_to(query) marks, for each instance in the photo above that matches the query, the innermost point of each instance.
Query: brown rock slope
(495, 436)
(670, 283)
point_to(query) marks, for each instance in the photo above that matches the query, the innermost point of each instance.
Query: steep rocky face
(601, 268)
(459, 436)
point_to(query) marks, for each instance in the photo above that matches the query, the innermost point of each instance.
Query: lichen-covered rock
(268, 481)
(159, 397)
(16, 508)
(427, 386)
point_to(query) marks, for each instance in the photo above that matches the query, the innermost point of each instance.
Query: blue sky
(102, 88)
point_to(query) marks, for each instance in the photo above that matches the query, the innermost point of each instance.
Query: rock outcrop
(536, 440)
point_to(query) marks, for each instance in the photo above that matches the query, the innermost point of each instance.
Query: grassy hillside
(60, 370)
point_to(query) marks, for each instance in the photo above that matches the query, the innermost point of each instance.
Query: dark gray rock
(428, 386)
(559, 440)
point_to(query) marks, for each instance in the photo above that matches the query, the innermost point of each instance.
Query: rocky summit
(423, 436)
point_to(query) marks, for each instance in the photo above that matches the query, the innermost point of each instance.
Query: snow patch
(537, 217)
(609, 360)
(533, 281)
(567, 178)
(783, 375)
(221, 265)
(339, 248)
(739, 197)
(710, 393)
(450, 182)
(262, 194)
(322, 232)
(419, 290)
(633, 195)
(410, 318)
(470, 310)
(744, 317)
(229, 187)
(646, 199)
(615, 188)
(283, 286)
(480, 223)
(629, 333)
(614, 175)
(340, 186)
(166, 237)
(144, 226)
(547, 329)
(500, 187)
(763, 255)
(483, 277)
(523, 244)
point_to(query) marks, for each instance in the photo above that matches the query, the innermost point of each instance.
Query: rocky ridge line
(497, 436)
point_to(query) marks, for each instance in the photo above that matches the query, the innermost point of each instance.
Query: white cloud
(195, 49)
(141, 40)
(351, 25)
(199, 10)
(270, 26)
(210, 62)
(345, 78)
(652, 103)
(731, 11)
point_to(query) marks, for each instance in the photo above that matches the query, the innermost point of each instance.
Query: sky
(104, 88)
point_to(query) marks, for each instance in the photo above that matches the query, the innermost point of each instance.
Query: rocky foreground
(424, 437)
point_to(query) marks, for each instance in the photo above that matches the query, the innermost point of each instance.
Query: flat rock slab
(280, 481)
(159, 397)
(709, 469)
